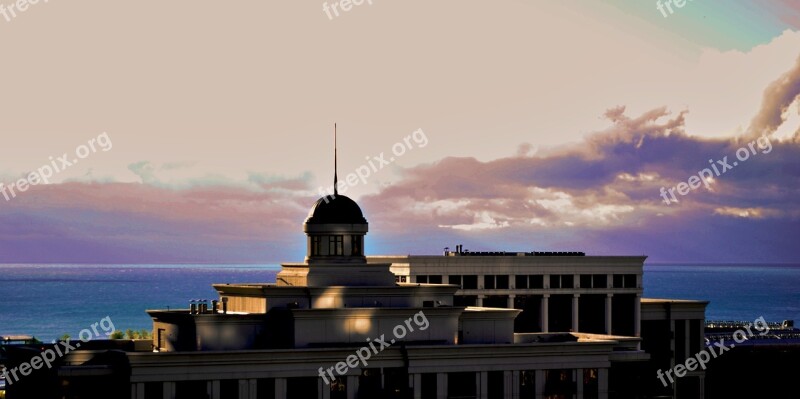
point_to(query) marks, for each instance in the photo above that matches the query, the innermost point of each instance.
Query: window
(488, 281)
(593, 281)
(624, 281)
(501, 282)
(471, 282)
(536, 281)
(586, 281)
(599, 281)
(491, 281)
(617, 281)
(400, 279)
(316, 245)
(555, 281)
(562, 281)
(429, 279)
(356, 242)
(455, 279)
(567, 281)
(336, 245)
(521, 282)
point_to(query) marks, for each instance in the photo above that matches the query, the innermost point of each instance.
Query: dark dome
(335, 209)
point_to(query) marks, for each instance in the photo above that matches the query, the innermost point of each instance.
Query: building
(341, 325)
(287, 337)
(572, 292)
(558, 291)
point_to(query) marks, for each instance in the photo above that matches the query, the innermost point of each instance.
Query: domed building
(344, 325)
(335, 230)
(340, 326)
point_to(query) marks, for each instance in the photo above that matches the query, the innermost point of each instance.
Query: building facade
(340, 325)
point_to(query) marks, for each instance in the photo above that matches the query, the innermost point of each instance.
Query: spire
(335, 163)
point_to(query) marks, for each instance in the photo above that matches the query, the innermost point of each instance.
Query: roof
(335, 209)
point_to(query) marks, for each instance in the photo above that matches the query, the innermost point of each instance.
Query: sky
(202, 132)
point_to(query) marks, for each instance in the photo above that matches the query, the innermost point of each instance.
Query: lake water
(48, 301)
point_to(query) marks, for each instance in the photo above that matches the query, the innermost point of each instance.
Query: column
(280, 388)
(609, 297)
(352, 386)
(540, 380)
(546, 313)
(575, 300)
(510, 303)
(579, 382)
(637, 316)
(213, 389)
(253, 383)
(508, 384)
(702, 386)
(479, 302)
(482, 384)
(245, 391)
(169, 390)
(602, 383)
(324, 390)
(137, 390)
(515, 384)
(441, 385)
(417, 386)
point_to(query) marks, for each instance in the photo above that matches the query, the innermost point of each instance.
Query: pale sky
(215, 97)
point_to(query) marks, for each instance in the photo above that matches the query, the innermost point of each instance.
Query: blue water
(48, 301)
(736, 292)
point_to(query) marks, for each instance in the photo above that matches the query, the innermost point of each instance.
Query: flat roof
(664, 300)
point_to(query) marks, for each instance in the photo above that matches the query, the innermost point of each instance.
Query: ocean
(48, 301)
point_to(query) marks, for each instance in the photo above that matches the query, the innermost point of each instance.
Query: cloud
(132, 222)
(777, 98)
(600, 195)
(609, 185)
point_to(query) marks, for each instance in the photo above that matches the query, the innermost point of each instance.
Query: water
(736, 292)
(48, 301)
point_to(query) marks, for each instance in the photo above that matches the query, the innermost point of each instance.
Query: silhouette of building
(343, 325)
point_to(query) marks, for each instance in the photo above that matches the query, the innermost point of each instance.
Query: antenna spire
(335, 163)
